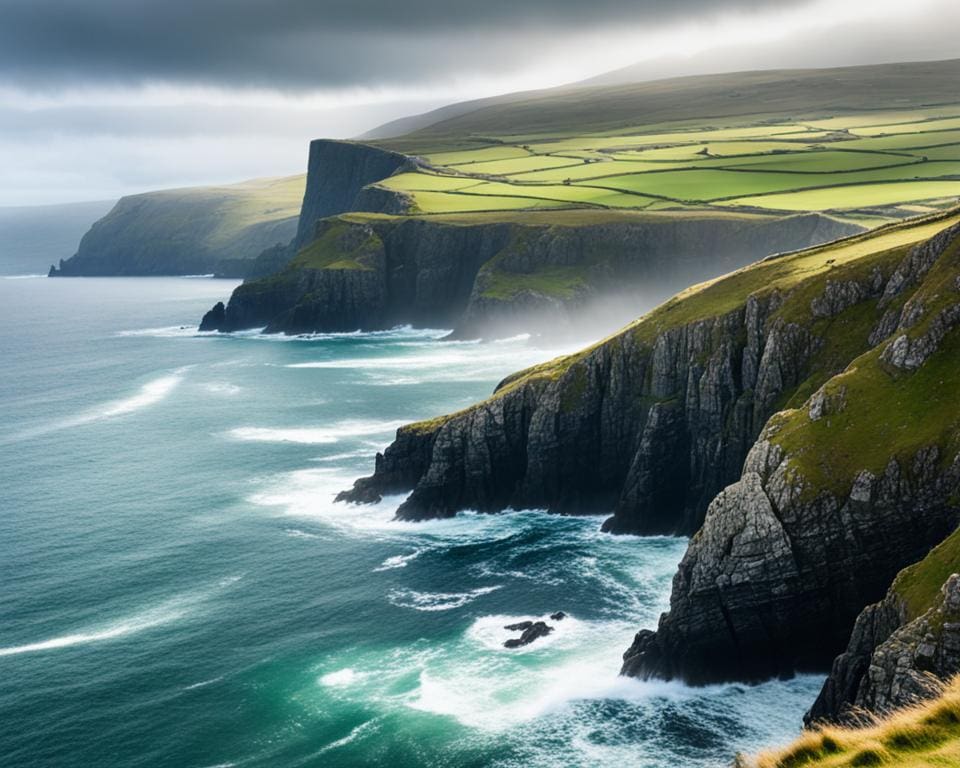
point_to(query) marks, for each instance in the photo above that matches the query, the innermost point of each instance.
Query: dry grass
(923, 736)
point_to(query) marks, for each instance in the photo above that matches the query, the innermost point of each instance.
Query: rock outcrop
(493, 274)
(337, 172)
(765, 400)
(774, 580)
(530, 631)
(833, 500)
(904, 648)
(917, 660)
(653, 422)
(214, 318)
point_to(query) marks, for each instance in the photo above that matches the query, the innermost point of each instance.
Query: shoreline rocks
(531, 631)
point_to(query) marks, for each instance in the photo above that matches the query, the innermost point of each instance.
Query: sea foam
(149, 394)
(398, 561)
(436, 601)
(315, 435)
(166, 612)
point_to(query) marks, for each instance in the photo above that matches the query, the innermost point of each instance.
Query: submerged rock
(532, 630)
(558, 616)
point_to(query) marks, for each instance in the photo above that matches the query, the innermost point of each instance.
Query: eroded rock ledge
(650, 428)
(834, 499)
(653, 422)
(775, 578)
(490, 275)
(892, 661)
(813, 508)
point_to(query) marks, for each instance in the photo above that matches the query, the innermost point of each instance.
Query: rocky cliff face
(655, 421)
(241, 230)
(337, 172)
(489, 275)
(858, 477)
(834, 499)
(904, 648)
(369, 276)
(772, 582)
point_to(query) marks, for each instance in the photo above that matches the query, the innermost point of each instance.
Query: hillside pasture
(876, 165)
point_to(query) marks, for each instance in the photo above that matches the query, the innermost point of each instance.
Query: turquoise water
(177, 587)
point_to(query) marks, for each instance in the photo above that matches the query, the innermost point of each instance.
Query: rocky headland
(504, 273)
(797, 417)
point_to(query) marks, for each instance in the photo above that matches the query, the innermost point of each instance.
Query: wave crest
(436, 601)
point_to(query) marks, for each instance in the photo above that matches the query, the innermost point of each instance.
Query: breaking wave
(166, 612)
(315, 435)
(436, 601)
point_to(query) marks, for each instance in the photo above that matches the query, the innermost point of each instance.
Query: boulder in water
(534, 631)
(214, 319)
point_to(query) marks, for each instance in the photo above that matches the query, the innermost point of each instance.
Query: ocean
(177, 587)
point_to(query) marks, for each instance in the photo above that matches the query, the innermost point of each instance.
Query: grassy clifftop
(926, 736)
(190, 231)
(799, 276)
(812, 140)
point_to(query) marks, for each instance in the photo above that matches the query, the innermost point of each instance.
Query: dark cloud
(302, 43)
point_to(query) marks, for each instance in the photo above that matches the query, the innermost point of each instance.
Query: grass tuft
(922, 736)
(867, 757)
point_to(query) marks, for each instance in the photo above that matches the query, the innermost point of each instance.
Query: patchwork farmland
(867, 167)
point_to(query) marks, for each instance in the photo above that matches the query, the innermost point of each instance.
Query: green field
(883, 164)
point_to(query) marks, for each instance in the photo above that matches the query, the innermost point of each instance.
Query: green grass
(904, 141)
(568, 217)
(944, 124)
(478, 155)
(876, 412)
(226, 212)
(799, 276)
(559, 282)
(650, 140)
(785, 274)
(853, 140)
(884, 118)
(416, 182)
(853, 163)
(857, 196)
(823, 161)
(716, 297)
(518, 165)
(919, 584)
(885, 412)
(443, 202)
(885, 415)
(339, 247)
(923, 736)
(948, 152)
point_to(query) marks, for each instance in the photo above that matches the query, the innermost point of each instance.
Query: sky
(100, 98)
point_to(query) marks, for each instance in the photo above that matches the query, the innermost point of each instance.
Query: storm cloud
(305, 44)
(100, 98)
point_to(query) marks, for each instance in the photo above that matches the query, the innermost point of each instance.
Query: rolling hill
(863, 145)
(874, 143)
(197, 230)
